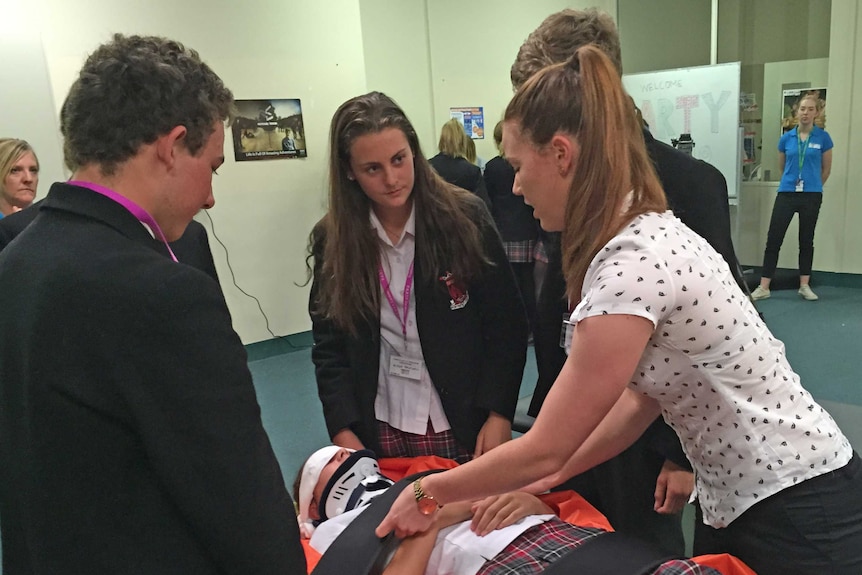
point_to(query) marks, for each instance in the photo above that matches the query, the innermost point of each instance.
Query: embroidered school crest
(458, 296)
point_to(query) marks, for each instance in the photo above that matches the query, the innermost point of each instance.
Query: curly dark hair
(134, 89)
(560, 35)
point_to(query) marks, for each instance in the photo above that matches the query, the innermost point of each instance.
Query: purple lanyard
(136, 210)
(391, 299)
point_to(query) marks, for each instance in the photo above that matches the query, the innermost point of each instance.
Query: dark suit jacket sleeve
(504, 327)
(481, 190)
(191, 394)
(15, 223)
(663, 440)
(336, 382)
(550, 307)
(193, 248)
(5, 237)
(697, 193)
(207, 262)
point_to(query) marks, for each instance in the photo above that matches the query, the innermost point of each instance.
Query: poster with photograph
(790, 101)
(268, 129)
(473, 120)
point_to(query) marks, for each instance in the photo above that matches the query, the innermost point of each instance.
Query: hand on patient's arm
(404, 517)
(495, 431)
(500, 511)
(412, 555)
(673, 488)
(346, 438)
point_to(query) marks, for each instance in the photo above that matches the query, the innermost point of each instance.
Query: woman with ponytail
(658, 327)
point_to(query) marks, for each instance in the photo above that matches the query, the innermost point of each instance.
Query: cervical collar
(310, 474)
(354, 484)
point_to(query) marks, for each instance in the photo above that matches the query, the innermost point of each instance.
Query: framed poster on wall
(268, 129)
(472, 119)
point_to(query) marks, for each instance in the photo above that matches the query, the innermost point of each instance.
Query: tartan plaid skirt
(543, 544)
(397, 443)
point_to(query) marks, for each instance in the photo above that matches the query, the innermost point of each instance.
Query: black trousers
(814, 527)
(807, 205)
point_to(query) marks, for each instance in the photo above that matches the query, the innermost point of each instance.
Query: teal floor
(823, 340)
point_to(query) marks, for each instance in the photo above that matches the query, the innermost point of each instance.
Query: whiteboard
(702, 101)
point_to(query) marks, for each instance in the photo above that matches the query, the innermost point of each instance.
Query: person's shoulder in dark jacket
(499, 177)
(192, 248)
(14, 224)
(460, 172)
(697, 194)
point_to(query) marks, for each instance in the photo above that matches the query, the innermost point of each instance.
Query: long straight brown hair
(448, 232)
(584, 98)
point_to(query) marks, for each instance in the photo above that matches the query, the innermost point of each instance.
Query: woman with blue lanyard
(805, 154)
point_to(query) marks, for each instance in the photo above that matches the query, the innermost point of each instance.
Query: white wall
(840, 234)
(24, 80)
(398, 60)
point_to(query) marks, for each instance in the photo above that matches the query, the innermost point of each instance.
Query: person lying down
(513, 533)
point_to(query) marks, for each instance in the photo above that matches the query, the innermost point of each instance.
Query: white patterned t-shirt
(745, 422)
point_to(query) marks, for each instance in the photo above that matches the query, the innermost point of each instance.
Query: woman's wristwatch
(427, 504)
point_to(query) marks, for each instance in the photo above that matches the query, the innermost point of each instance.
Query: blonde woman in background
(19, 175)
(453, 163)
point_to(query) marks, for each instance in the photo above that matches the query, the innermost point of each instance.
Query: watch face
(427, 506)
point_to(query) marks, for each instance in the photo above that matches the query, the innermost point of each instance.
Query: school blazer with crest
(474, 355)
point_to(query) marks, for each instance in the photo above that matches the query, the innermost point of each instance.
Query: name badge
(405, 367)
(799, 186)
(566, 332)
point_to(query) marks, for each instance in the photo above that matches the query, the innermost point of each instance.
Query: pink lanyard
(391, 299)
(136, 210)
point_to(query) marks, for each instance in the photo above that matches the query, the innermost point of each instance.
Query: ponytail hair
(584, 98)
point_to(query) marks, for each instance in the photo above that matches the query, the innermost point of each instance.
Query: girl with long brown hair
(658, 327)
(420, 334)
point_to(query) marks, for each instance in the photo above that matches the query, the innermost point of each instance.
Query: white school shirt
(405, 404)
(745, 422)
(457, 549)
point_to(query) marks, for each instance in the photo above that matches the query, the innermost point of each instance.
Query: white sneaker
(761, 292)
(805, 292)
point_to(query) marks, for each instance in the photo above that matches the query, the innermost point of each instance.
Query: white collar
(409, 227)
